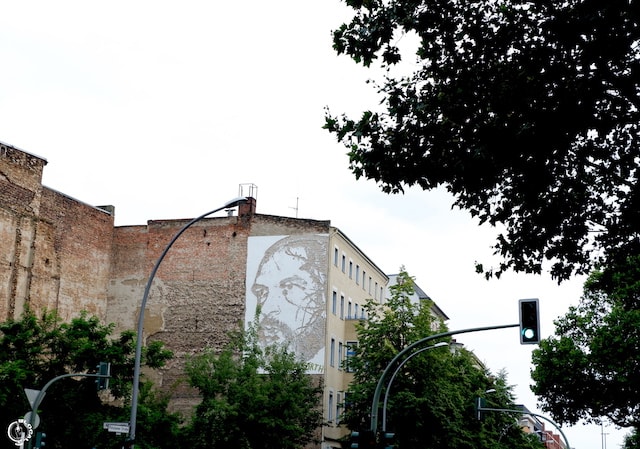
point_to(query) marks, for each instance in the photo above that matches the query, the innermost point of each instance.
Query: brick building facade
(55, 252)
(60, 253)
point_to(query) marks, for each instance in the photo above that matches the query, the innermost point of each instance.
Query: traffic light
(363, 439)
(104, 369)
(388, 440)
(40, 436)
(529, 322)
(354, 440)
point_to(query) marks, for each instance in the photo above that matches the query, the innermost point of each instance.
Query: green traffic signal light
(529, 321)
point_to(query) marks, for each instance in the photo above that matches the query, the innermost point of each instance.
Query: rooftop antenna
(296, 206)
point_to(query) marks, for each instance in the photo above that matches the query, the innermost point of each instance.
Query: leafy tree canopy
(527, 112)
(35, 349)
(590, 368)
(632, 440)
(253, 398)
(431, 401)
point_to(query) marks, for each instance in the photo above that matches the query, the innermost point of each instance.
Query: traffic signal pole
(375, 405)
(40, 396)
(529, 324)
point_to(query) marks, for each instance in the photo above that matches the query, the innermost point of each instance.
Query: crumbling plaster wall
(197, 296)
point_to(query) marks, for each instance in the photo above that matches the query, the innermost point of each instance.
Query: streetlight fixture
(393, 376)
(136, 366)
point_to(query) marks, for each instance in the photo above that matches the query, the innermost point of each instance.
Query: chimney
(248, 208)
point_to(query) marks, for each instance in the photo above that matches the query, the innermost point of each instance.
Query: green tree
(157, 428)
(589, 369)
(632, 440)
(431, 401)
(528, 113)
(253, 398)
(35, 349)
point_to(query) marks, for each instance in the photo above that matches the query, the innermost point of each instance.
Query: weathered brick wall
(197, 296)
(59, 253)
(20, 188)
(129, 271)
(81, 238)
(54, 250)
(20, 180)
(276, 225)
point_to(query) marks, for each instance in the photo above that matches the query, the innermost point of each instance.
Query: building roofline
(360, 252)
(422, 295)
(109, 210)
(23, 151)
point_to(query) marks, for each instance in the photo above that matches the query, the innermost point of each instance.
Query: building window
(369, 284)
(381, 295)
(364, 276)
(338, 407)
(351, 352)
(334, 302)
(340, 354)
(357, 274)
(349, 316)
(343, 265)
(335, 256)
(350, 270)
(375, 291)
(330, 407)
(332, 356)
(342, 307)
(356, 311)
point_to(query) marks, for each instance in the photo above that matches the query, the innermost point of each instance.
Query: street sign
(117, 427)
(32, 395)
(36, 419)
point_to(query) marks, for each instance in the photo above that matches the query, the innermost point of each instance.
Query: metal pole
(38, 400)
(386, 393)
(376, 395)
(138, 356)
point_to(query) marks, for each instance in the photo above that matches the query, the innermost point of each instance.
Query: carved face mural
(286, 279)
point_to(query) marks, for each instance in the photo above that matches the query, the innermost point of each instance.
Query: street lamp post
(136, 366)
(393, 376)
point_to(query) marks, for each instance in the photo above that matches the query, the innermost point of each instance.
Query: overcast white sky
(163, 109)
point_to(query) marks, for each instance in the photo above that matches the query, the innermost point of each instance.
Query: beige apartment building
(353, 279)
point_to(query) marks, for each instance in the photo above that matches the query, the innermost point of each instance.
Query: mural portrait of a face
(289, 289)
